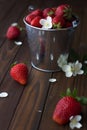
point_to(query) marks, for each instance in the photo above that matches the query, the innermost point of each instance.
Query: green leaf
(68, 92)
(63, 95)
(74, 93)
(82, 100)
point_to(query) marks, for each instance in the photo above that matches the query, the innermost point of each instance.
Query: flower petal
(68, 74)
(85, 61)
(14, 24)
(52, 80)
(78, 117)
(72, 126)
(66, 68)
(81, 72)
(3, 94)
(78, 125)
(18, 43)
(42, 21)
(49, 19)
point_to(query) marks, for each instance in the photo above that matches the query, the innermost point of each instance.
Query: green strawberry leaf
(68, 92)
(74, 93)
(82, 100)
(13, 64)
(50, 13)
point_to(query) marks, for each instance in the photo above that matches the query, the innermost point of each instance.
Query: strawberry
(36, 22)
(65, 108)
(64, 10)
(29, 18)
(68, 24)
(19, 73)
(69, 105)
(58, 22)
(37, 12)
(48, 12)
(13, 32)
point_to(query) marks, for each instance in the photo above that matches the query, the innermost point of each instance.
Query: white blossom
(62, 60)
(46, 23)
(72, 69)
(74, 122)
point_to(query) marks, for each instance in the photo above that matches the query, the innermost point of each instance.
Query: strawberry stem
(82, 100)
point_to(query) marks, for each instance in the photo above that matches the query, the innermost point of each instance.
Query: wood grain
(31, 107)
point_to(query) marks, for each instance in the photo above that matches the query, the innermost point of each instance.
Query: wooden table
(31, 107)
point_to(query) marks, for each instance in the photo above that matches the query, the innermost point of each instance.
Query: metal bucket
(46, 46)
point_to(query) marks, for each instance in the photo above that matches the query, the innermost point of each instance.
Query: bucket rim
(42, 29)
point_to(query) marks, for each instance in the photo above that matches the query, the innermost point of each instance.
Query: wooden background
(31, 107)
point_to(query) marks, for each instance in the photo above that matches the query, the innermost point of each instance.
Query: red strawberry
(48, 12)
(29, 18)
(68, 24)
(13, 32)
(37, 12)
(64, 10)
(65, 108)
(36, 22)
(19, 72)
(69, 105)
(58, 22)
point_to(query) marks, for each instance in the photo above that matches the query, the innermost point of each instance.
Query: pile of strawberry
(62, 16)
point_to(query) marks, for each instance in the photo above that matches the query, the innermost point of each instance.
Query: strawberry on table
(13, 32)
(19, 73)
(65, 108)
(68, 106)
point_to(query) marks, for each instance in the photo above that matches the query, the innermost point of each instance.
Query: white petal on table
(52, 80)
(85, 62)
(18, 43)
(3, 94)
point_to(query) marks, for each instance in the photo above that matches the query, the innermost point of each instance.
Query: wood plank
(12, 16)
(53, 97)
(31, 105)
(8, 105)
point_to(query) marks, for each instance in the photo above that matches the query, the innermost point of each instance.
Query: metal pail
(46, 46)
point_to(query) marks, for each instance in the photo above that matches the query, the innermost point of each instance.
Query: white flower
(62, 60)
(72, 69)
(74, 122)
(46, 23)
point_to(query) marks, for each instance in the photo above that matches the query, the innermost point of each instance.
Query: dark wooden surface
(31, 107)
